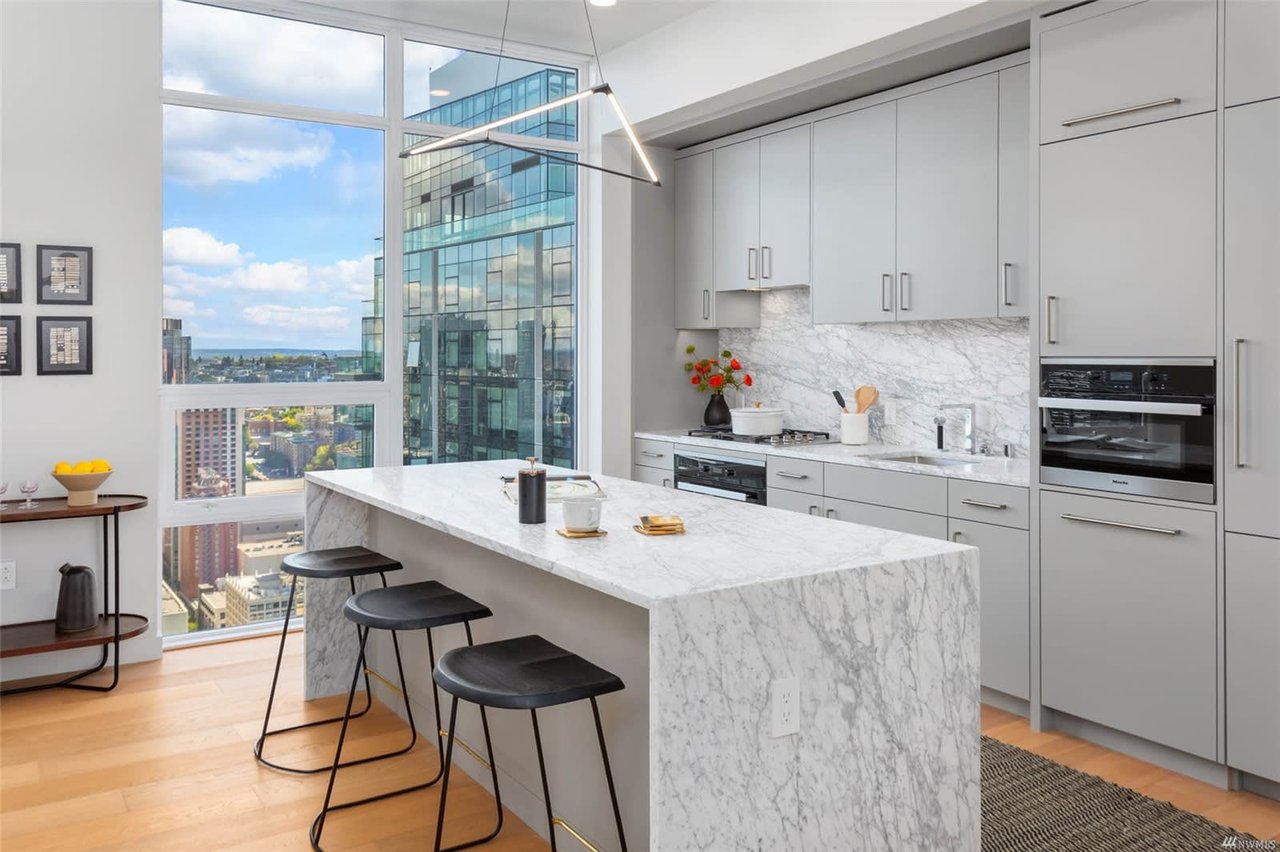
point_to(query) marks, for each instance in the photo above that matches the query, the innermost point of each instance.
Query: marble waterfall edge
(919, 365)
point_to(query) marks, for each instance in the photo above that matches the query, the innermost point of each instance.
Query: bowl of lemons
(82, 480)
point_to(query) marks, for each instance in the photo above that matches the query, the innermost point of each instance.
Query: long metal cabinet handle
(1050, 335)
(1004, 284)
(751, 264)
(766, 262)
(706, 304)
(1120, 524)
(651, 454)
(786, 475)
(983, 504)
(886, 287)
(1097, 116)
(1239, 414)
(904, 286)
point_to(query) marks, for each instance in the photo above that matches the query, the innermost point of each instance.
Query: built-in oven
(721, 475)
(1134, 426)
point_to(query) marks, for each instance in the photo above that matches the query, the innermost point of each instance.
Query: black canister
(533, 493)
(77, 602)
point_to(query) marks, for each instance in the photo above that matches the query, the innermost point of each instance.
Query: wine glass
(4, 488)
(29, 487)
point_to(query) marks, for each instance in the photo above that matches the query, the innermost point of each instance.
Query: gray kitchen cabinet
(1111, 65)
(794, 474)
(652, 476)
(1013, 252)
(1005, 588)
(1128, 617)
(735, 239)
(947, 200)
(1127, 242)
(1253, 654)
(854, 213)
(795, 501)
(698, 305)
(651, 453)
(1250, 398)
(784, 208)
(915, 492)
(1252, 51)
(884, 517)
(989, 503)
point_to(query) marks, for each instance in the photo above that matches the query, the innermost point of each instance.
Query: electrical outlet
(784, 702)
(890, 411)
(8, 575)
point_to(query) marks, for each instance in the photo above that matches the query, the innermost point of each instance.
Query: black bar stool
(415, 606)
(524, 673)
(331, 564)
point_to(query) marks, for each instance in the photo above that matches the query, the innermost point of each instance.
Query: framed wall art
(10, 346)
(10, 273)
(64, 346)
(64, 275)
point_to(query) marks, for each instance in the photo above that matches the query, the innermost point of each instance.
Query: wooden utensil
(865, 397)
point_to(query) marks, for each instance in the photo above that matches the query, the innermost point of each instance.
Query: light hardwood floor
(165, 762)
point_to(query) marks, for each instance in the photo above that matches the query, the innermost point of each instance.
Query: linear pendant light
(480, 134)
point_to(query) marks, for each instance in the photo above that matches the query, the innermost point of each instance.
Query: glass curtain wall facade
(490, 311)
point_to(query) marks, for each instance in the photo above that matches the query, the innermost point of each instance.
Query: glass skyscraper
(491, 284)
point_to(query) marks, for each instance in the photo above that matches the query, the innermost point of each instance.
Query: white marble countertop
(994, 469)
(726, 544)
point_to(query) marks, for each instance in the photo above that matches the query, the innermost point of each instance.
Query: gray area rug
(1030, 804)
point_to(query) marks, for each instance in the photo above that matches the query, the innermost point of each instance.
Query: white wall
(80, 160)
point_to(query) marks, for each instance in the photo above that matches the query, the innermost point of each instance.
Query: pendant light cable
(497, 71)
(586, 10)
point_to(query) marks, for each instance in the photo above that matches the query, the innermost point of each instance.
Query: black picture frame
(11, 351)
(51, 354)
(58, 281)
(10, 274)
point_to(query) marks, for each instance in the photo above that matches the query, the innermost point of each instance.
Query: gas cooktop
(786, 437)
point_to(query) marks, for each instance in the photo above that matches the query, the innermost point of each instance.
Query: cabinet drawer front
(1251, 51)
(911, 491)
(1145, 62)
(1006, 505)
(1129, 617)
(900, 520)
(1253, 647)
(1004, 559)
(657, 454)
(795, 501)
(794, 474)
(652, 476)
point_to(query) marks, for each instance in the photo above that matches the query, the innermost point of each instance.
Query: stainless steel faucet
(970, 412)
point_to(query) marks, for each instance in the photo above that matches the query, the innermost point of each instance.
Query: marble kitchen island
(877, 629)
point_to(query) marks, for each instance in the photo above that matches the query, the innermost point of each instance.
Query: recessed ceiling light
(603, 2)
(439, 93)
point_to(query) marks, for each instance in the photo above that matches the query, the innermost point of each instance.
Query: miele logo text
(1120, 481)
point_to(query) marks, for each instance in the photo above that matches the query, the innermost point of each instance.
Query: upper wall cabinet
(1252, 50)
(761, 216)
(854, 215)
(947, 201)
(698, 305)
(1127, 242)
(1014, 248)
(1110, 65)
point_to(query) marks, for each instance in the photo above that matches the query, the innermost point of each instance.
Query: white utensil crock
(853, 428)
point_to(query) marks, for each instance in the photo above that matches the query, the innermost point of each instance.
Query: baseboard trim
(1006, 702)
(1258, 785)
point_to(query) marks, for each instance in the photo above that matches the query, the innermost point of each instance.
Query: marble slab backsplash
(917, 366)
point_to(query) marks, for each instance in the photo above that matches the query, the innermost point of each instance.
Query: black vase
(717, 413)
(77, 601)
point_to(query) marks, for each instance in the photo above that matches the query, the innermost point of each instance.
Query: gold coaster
(668, 531)
(580, 534)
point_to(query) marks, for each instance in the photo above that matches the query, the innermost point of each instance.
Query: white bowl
(756, 421)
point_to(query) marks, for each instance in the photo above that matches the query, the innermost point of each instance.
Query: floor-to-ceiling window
(286, 348)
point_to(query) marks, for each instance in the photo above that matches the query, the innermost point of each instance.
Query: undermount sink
(916, 458)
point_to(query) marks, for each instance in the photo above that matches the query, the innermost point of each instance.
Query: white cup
(581, 514)
(853, 428)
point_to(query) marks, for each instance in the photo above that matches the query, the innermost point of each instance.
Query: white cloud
(332, 318)
(344, 280)
(285, 276)
(203, 147)
(196, 247)
(234, 53)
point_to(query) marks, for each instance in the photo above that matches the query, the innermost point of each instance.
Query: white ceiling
(559, 24)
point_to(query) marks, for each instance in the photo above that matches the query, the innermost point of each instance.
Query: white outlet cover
(8, 575)
(784, 707)
(890, 411)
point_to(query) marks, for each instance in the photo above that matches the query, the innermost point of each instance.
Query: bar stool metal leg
(546, 789)
(608, 774)
(444, 784)
(317, 826)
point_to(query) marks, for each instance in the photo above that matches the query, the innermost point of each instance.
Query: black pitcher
(77, 602)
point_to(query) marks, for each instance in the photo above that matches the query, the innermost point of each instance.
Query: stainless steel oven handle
(1120, 524)
(1239, 414)
(966, 501)
(785, 475)
(714, 492)
(1123, 406)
